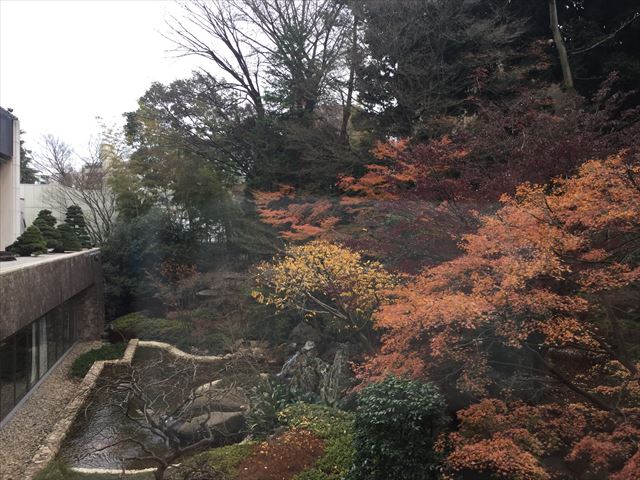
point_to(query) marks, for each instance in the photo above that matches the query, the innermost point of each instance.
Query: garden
(386, 240)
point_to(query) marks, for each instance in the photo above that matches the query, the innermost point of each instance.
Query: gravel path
(29, 427)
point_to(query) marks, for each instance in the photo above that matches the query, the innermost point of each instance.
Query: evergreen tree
(75, 219)
(46, 223)
(31, 241)
(48, 217)
(69, 239)
(28, 174)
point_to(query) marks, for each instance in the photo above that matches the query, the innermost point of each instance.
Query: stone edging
(49, 449)
(180, 354)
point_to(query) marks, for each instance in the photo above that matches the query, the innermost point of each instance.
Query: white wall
(39, 197)
(10, 193)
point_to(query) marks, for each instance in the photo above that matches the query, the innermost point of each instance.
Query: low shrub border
(333, 426)
(83, 363)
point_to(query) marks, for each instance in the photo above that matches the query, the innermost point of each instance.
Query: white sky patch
(64, 62)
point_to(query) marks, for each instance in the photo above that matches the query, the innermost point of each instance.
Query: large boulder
(308, 374)
(305, 370)
(223, 427)
(338, 378)
(219, 399)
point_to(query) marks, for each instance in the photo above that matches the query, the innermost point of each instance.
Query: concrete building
(36, 197)
(9, 178)
(48, 302)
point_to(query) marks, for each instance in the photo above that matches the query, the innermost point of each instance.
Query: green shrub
(138, 325)
(31, 241)
(46, 222)
(397, 422)
(267, 399)
(75, 219)
(335, 427)
(83, 363)
(69, 241)
(216, 464)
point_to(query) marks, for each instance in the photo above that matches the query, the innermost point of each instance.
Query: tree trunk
(159, 473)
(346, 112)
(562, 49)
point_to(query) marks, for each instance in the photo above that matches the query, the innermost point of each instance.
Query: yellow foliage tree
(325, 282)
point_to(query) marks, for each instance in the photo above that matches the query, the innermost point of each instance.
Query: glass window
(52, 337)
(33, 350)
(7, 353)
(42, 346)
(28, 354)
(67, 328)
(23, 361)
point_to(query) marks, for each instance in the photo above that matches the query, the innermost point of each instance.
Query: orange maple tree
(540, 306)
(296, 218)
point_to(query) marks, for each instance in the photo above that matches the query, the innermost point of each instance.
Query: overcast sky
(64, 62)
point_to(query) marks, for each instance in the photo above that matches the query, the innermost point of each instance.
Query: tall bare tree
(54, 160)
(212, 29)
(293, 48)
(303, 43)
(86, 186)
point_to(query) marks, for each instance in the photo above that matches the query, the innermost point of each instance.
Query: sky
(64, 62)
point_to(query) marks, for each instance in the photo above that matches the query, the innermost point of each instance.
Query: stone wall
(29, 292)
(51, 446)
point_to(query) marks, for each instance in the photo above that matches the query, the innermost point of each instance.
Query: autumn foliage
(536, 308)
(326, 283)
(282, 457)
(521, 230)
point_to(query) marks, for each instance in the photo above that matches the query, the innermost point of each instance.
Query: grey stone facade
(30, 291)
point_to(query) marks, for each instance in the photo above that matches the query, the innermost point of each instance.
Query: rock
(337, 379)
(207, 386)
(306, 373)
(212, 396)
(305, 370)
(223, 426)
(207, 293)
(304, 332)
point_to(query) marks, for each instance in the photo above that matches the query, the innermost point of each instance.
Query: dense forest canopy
(450, 185)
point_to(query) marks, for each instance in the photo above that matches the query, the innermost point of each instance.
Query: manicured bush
(30, 242)
(50, 234)
(397, 422)
(46, 224)
(47, 217)
(75, 219)
(333, 426)
(83, 363)
(138, 325)
(68, 238)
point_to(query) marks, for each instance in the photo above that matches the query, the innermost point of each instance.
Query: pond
(107, 433)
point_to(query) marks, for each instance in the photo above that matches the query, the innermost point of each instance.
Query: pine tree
(69, 239)
(31, 241)
(28, 174)
(49, 233)
(75, 219)
(46, 223)
(47, 216)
